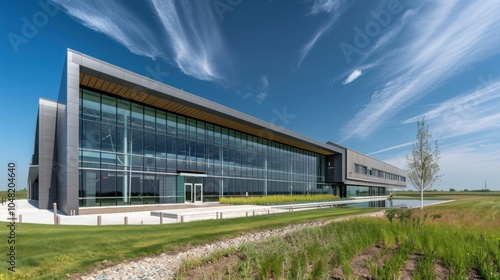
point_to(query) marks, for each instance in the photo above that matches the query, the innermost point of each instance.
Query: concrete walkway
(27, 212)
(30, 214)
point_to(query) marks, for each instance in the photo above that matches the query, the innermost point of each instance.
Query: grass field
(456, 240)
(445, 195)
(50, 252)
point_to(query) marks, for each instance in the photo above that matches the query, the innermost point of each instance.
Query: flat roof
(105, 77)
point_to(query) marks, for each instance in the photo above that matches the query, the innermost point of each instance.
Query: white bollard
(54, 205)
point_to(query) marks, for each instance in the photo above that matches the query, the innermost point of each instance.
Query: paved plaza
(29, 213)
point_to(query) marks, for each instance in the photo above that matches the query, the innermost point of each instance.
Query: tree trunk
(421, 198)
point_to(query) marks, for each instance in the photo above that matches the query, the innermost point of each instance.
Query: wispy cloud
(116, 22)
(353, 76)
(194, 42)
(326, 6)
(194, 35)
(445, 40)
(464, 164)
(386, 38)
(404, 145)
(388, 35)
(472, 112)
(334, 9)
(263, 89)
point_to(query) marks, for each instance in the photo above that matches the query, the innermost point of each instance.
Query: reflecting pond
(396, 203)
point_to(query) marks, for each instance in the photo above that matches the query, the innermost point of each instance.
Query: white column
(126, 178)
(221, 152)
(265, 175)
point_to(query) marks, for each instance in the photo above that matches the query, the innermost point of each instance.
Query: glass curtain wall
(355, 191)
(131, 154)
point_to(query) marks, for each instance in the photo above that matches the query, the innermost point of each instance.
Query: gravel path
(165, 266)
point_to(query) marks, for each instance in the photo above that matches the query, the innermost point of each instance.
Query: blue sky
(359, 73)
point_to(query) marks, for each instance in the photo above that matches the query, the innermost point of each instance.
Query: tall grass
(314, 253)
(277, 199)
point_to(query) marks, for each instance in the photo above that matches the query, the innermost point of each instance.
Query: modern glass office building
(116, 138)
(132, 153)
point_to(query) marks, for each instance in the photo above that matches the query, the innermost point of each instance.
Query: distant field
(20, 194)
(445, 195)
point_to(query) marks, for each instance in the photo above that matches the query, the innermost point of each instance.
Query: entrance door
(188, 190)
(198, 192)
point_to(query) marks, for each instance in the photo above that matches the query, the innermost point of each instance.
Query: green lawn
(50, 252)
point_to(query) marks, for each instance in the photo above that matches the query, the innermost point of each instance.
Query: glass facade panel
(132, 154)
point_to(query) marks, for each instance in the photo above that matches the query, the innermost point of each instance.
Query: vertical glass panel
(150, 188)
(149, 164)
(182, 149)
(123, 113)
(90, 135)
(137, 116)
(90, 186)
(172, 165)
(232, 140)
(108, 109)
(108, 184)
(217, 135)
(91, 105)
(161, 145)
(149, 119)
(191, 129)
(137, 163)
(121, 188)
(225, 137)
(149, 143)
(171, 124)
(122, 140)
(108, 161)
(122, 162)
(108, 137)
(171, 148)
(237, 137)
(136, 188)
(161, 165)
(90, 159)
(200, 131)
(136, 142)
(161, 122)
(200, 150)
(210, 133)
(181, 127)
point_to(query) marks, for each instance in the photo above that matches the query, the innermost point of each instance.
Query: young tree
(422, 163)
